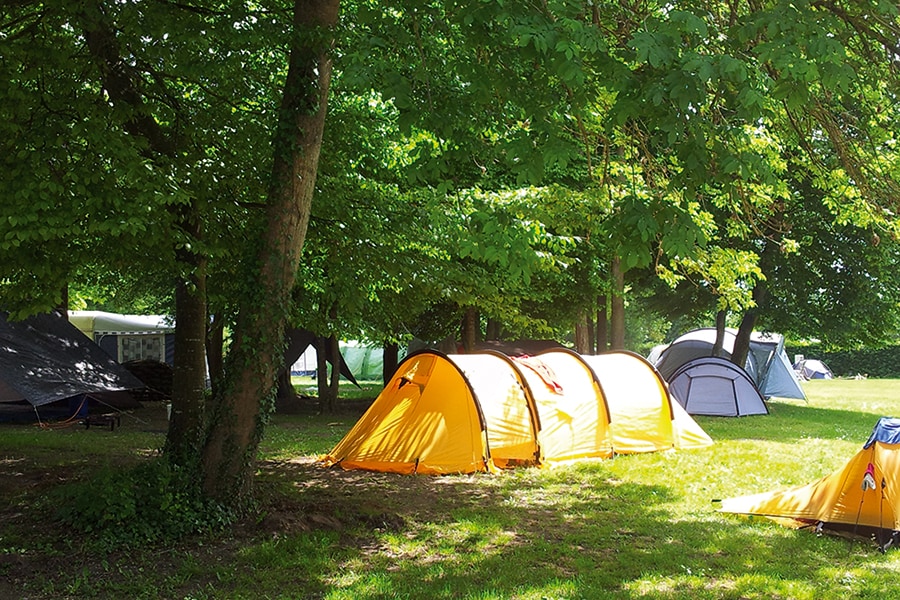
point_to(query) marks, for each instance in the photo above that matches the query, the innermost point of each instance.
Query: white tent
(714, 386)
(767, 363)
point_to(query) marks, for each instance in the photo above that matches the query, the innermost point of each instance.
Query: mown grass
(642, 526)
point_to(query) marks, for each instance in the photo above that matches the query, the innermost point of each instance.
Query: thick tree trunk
(187, 422)
(286, 392)
(239, 411)
(617, 312)
(390, 361)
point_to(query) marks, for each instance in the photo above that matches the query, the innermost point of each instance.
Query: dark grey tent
(767, 363)
(45, 359)
(713, 386)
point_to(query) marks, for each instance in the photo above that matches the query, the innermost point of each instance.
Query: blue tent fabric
(886, 431)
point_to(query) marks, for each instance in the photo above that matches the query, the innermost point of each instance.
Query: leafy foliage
(145, 504)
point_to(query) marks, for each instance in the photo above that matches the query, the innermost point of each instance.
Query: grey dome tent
(767, 362)
(810, 368)
(713, 386)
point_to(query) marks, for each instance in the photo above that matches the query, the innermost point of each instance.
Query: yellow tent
(861, 498)
(463, 413)
(509, 412)
(572, 412)
(643, 417)
(426, 420)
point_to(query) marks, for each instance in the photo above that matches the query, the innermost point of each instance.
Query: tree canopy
(524, 164)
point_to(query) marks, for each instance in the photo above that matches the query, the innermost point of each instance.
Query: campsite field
(642, 526)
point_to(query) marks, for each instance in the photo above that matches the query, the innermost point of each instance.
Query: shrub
(150, 503)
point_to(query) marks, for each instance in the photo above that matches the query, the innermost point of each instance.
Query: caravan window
(142, 347)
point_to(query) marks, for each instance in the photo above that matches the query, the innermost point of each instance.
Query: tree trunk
(334, 387)
(591, 336)
(239, 411)
(470, 329)
(215, 348)
(126, 92)
(322, 387)
(390, 361)
(63, 307)
(492, 330)
(187, 422)
(720, 333)
(286, 392)
(582, 340)
(602, 325)
(617, 314)
(748, 322)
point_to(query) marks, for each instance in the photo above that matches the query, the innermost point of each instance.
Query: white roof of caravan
(94, 321)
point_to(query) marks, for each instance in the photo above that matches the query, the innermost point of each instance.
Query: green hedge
(883, 363)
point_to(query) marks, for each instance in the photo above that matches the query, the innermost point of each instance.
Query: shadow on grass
(572, 533)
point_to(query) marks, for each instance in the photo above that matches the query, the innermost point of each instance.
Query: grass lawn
(642, 526)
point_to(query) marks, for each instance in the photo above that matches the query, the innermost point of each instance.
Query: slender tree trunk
(322, 386)
(334, 387)
(582, 341)
(720, 333)
(591, 334)
(602, 325)
(126, 92)
(240, 410)
(492, 331)
(470, 329)
(617, 314)
(215, 348)
(390, 361)
(748, 322)
(63, 306)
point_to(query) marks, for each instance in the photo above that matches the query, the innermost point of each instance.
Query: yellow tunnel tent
(427, 419)
(643, 416)
(862, 498)
(464, 413)
(572, 412)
